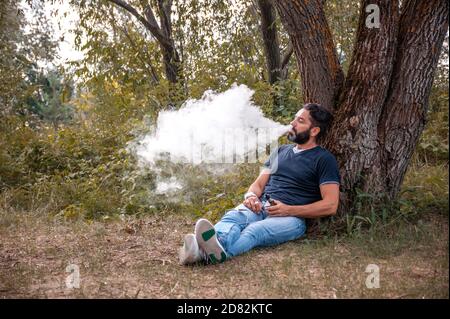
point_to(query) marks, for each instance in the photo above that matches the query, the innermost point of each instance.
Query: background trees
(65, 127)
(25, 46)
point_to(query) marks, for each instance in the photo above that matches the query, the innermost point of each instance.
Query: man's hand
(253, 203)
(279, 209)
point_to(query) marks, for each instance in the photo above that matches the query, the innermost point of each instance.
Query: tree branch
(270, 39)
(146, 64)
(165, 13)
(118, 27)
(150, 25)
(285, 59)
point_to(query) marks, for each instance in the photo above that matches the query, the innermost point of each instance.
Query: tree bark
(381, 110)
(285, 61)
(312, 41)
(423, 26)
(172, 62)
(270, 40)
(353, 137)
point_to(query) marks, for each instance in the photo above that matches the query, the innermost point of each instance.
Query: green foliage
(70, 170)
(371, 211)
(50, 99)
(66, 151)
(279, 102)
(21, 50)
(433, 144)
(424, 192)
(222, 192)
(342, 17)
(425, 189)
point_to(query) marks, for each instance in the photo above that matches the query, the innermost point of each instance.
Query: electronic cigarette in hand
(269, 200)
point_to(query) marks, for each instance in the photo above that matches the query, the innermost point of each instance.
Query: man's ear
(315, 131)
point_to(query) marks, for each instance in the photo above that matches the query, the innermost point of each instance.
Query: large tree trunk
(353, 137)
(381, 110)
(308, 29)
(423, 25)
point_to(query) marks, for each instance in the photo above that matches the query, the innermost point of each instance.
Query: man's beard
(299, 138)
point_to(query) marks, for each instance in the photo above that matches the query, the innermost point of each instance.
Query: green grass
(425, 188)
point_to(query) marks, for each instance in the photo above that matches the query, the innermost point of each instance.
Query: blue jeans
(240, 230)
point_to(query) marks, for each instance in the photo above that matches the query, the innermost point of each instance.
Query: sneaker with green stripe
(190, 253)
(208, 242)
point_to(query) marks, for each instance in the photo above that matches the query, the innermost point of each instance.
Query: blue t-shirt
(296, 177)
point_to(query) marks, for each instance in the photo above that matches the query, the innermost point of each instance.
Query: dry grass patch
(137, 258)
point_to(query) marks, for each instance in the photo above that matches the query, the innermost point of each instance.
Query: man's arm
(327, 206)
(260, 182)
(257, 188)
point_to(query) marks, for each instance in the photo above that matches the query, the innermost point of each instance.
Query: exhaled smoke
(219, 128)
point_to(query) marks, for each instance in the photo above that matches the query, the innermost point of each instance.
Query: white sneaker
(208, 242)
(190, 252)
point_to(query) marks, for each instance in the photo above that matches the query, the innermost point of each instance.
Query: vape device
(269, 200)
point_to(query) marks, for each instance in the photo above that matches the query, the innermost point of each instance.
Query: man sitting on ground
(301, 180)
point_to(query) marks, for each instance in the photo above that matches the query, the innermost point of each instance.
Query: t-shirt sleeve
(272, 161)
(328, 170)
(268, 163)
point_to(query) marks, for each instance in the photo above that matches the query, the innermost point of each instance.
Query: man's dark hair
(319, 116)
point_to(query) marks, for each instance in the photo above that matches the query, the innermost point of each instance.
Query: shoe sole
(187, 250)
(207, 240)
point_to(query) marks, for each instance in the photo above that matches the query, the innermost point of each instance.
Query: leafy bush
(433, 144)
(72, 170)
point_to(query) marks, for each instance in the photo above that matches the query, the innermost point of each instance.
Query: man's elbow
(333, 208)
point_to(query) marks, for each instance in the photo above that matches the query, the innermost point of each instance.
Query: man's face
(301, 127)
